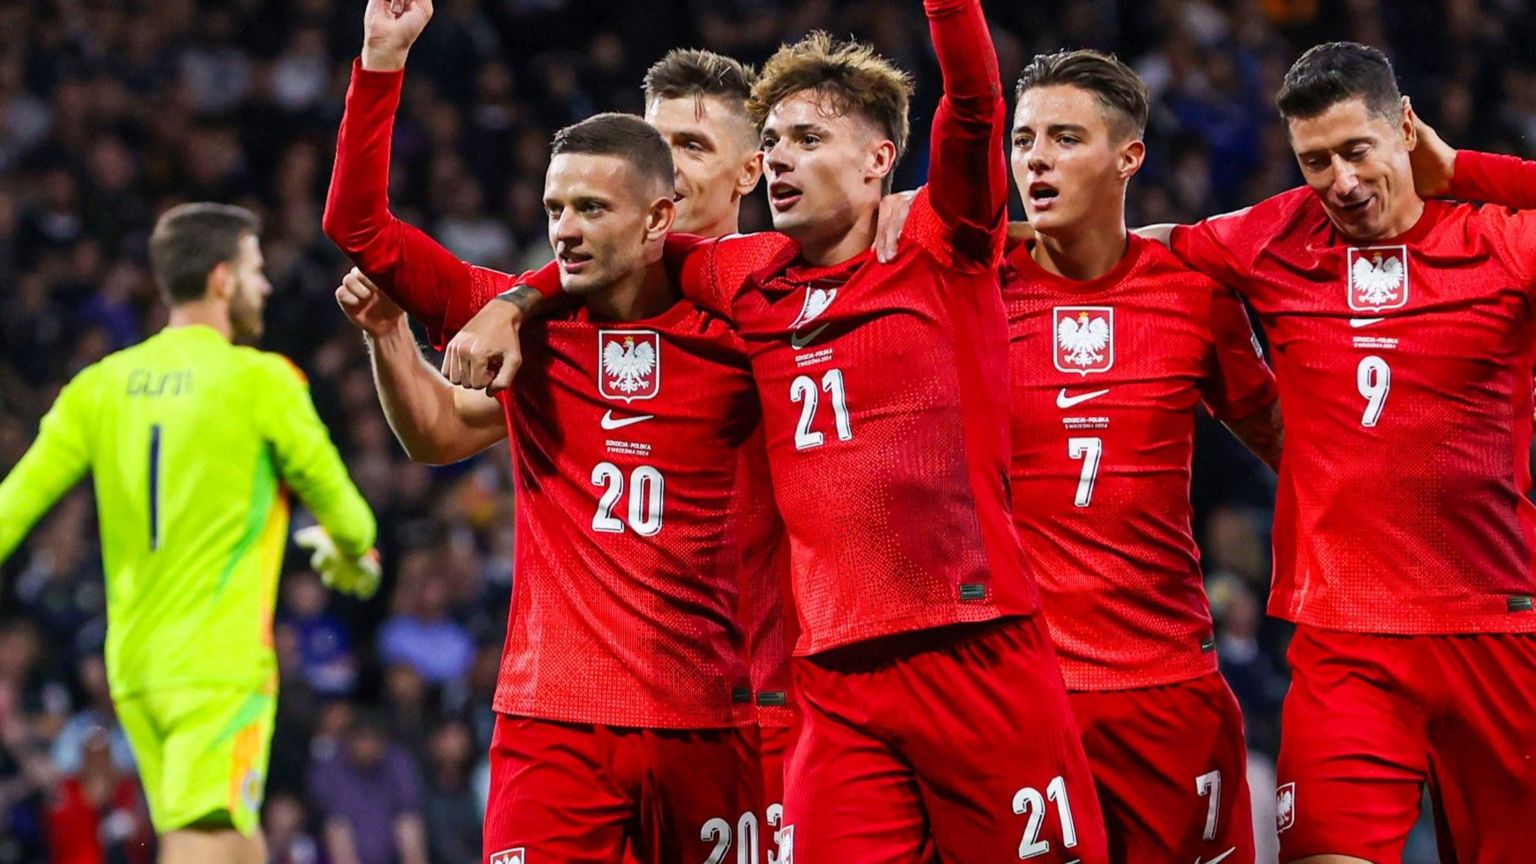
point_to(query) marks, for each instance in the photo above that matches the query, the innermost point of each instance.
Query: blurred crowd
(112, 110)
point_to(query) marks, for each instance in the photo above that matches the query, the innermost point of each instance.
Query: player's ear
(660, 218)
(1410, 132)
(1133, 153)
(221, 281)
(750, 171)
(882, 160)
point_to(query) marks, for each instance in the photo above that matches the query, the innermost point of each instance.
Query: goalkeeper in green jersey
(193, 444)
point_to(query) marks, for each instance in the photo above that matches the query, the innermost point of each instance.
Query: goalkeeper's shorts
(202, 753)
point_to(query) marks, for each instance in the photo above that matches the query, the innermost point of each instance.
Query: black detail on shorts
(773, 698)
(741, 695)
(1208, 644)
(1519, 603)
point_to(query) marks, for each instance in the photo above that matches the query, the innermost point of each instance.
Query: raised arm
(968, 174)
(430, 282)
(56, 461)
(435, 422)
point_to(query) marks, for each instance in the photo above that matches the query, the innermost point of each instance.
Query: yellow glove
(359, 577)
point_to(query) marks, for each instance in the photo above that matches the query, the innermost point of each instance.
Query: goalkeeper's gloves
(358, 577)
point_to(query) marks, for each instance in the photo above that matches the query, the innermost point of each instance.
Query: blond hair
(850, 76)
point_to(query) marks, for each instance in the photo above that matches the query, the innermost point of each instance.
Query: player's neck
(835, 247)
(1084, 253)
(208, 313)
(645, 293)
(727, 225)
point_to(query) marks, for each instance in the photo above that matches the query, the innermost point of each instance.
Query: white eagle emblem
(1378, 278)
(629, 363)
(510, 856)
(1285, 807)
(817, 300)
(1085, 338)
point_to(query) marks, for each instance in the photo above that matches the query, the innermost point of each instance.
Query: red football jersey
(884, 386)
(1404, 367)
(765, 588)
(627, 442)
(1107, 376)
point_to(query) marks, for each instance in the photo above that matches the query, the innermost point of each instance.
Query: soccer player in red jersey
(624, 717)
(697, 100)
(1114, 345)
(934, 717)
(1403, 346)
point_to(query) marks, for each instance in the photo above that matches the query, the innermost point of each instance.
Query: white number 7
(1089, 450)
(1209, 785)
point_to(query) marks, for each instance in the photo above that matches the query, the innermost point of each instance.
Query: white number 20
(646, 490)
(718, 831)
(1029, 800)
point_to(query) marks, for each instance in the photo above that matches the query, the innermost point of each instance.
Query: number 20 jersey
(626, 442)
(1404, 367)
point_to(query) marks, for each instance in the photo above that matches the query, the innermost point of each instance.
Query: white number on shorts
(718, 831)
(646, 487)
(1029, 800)
(802, 391)
(1209, 785)
(1089, 450)
(776, 821)
(1374, 378)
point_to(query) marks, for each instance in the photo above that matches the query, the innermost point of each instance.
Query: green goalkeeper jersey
(193, 444)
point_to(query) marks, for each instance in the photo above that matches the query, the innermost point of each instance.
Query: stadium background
(112, 111)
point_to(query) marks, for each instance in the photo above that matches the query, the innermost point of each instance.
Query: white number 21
(1029, 800)
(803, 391)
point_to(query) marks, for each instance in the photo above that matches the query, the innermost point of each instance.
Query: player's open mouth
(1042, 194)
(783, 196)
(574, 262)
(1355, 206)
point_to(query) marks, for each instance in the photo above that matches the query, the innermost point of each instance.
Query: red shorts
(955, 743)
(772, 751)
(1172, 771)
(585, 794)
(1370, 719)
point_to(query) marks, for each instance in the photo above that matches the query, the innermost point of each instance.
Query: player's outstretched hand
(390, 28)
(894, 210)
(484, 355)
(1433, 161)
(368, 308)
(358, 577)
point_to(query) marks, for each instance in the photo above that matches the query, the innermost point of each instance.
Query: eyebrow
(802, 128)
(1054, 128)
(1353, 142)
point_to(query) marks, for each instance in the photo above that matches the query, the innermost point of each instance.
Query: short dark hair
(623, 135)
(853, 78)
(190, 240)
(1117, 86)
(687, 72)
(1337, 72)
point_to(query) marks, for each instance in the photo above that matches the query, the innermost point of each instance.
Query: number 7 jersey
(1404, 367)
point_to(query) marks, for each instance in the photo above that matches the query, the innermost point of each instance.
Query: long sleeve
(429, 282)
(1494, 178)
(57, 460)
(308, 461)
(968, 172)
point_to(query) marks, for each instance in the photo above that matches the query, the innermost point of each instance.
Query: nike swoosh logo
(610, 424)
(797, 341)
(1353, 322)
(1219, 858)
(1063, 401)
